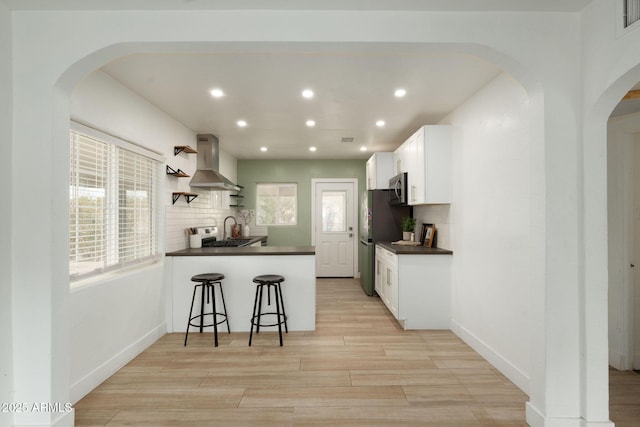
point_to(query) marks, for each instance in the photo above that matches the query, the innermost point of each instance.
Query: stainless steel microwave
(398, 190)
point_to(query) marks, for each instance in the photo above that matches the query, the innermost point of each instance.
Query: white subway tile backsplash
(200, 212)
(440, 216)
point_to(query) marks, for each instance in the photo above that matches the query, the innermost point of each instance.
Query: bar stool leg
(204, 291)
(211, 288)
(253, 316)
(224, 306)
(259, 314)
(278, 321)
(193, 298)
(284, 314)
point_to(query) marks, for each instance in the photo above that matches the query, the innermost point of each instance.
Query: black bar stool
(269, 281)
(207, 287)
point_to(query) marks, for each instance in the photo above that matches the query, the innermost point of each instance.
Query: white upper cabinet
(379, 171)
(426, 157)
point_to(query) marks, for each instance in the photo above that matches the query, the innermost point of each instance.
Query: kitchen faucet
(224, 225)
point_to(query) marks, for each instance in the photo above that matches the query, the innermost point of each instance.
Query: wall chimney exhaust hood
(208, 163)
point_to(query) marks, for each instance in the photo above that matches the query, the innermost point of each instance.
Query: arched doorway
(597, 285)
(623, 161)
(536, 274)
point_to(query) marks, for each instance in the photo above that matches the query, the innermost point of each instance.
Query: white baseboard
(597, 424)
(508, 369)
(617, 360)
(533, 417)
(536, 419)
(66, 420)
(94, 378)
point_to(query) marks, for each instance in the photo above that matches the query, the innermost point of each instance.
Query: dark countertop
(246, 250)
(413, 250)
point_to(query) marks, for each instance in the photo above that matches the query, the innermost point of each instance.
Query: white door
(334, 225)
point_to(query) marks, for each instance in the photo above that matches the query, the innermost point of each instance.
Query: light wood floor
(357, 369)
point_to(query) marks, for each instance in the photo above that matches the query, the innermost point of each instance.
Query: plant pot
(406, 235)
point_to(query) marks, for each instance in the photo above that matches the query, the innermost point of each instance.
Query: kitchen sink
(233, 243)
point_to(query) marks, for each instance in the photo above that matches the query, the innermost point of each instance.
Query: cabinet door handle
(413, 193)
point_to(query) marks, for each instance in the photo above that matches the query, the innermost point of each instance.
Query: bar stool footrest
(208, 325)
(281, 319)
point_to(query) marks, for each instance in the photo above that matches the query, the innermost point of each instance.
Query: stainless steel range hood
(208, 163)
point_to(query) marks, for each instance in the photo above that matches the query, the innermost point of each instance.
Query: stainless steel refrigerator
(379, 221)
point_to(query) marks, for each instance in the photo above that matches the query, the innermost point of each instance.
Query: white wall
(490, 226)
(6, 335)
(114, 317)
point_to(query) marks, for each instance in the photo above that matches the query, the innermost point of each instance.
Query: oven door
(398, 190)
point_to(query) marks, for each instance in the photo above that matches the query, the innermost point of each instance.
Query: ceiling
(353, 87)
(456, 5)
(353, 90)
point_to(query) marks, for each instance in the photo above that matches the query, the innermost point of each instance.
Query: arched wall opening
(622, 137)
(527, 380)
(605, 302)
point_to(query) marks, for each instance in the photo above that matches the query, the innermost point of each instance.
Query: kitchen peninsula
(239, 266)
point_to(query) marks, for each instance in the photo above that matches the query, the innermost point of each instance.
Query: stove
(231, 243)
(210, 238)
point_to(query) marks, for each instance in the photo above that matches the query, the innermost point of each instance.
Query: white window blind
(631, 12)
(276, 204)
(112, 206)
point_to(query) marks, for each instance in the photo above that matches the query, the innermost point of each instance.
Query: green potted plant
(408, 227)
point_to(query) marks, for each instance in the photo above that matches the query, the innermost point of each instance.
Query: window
(112, 203)
(334, 211)
(631, 12)
(276, 204)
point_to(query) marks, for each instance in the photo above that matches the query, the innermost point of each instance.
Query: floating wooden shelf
(177, 173)
(187, 196)
(180, 148)
(238, 198)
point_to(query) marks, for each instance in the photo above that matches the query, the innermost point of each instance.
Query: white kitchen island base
(298, 289)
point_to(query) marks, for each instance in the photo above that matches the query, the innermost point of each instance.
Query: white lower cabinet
(378, 281)
(415, 288)
(387, 278)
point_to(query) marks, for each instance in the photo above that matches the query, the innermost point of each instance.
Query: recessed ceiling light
(312, 148)
(311, 123)
(363, 148)
(399, 93)
(307, 93)
(217, 93)
(380, 123)
(241, 123)
(263, 149)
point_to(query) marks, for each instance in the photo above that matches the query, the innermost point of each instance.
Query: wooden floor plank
(324, 397)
